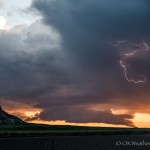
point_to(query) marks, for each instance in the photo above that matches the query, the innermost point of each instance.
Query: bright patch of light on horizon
(142, 120)
(31, 113)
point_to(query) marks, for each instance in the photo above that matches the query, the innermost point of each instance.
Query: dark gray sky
(67, 63)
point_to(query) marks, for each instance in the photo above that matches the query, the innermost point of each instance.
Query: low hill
(7, 119)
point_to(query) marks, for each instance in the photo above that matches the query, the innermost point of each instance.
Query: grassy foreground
(35, 130)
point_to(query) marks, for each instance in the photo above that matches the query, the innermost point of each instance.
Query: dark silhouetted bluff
(7, 119)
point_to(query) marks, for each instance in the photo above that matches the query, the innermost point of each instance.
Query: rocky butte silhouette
(7, 119)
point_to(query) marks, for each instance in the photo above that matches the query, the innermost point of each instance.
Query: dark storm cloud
(83, 115)
(70, 64)
(87, 26)
(29, 63)
(101, 18)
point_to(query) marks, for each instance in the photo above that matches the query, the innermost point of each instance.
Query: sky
(15, 12)
(76, 62)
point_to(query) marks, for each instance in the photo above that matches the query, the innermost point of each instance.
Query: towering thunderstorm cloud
(131, 51)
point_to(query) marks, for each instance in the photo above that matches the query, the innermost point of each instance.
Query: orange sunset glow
(141, 120)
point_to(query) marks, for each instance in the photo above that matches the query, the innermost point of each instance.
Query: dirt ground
(111, 142)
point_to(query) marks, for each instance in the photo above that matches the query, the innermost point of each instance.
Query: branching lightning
(132, 80)
(131, 54)
(146, 46)
(142, 46)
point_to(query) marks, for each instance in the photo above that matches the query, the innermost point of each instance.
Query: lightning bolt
(146, 46)
(118, 43)
(143, 46)
(131, 80)
(131, 54)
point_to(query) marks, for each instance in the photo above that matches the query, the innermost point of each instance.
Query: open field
(35, 130)
(100, 142)
(45, 137)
